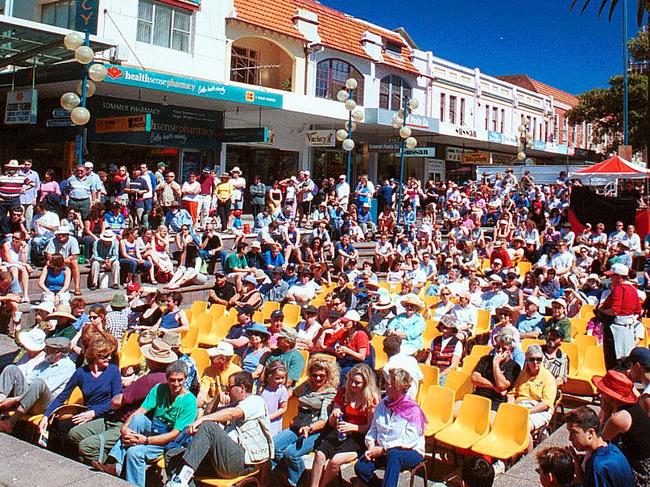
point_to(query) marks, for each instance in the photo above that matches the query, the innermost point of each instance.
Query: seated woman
(174, 318)
(343, 440)
(145, 246)
(130, 257)
(160, 254)
(55, 281)
(99, 381)
(395, 439)
(314, 398)
(170, 409)
(446, 349)
(190, 269)
(93, 228)
(258, 338)
(352, 345)
(438, 310)
(15, 253)
(146, 313)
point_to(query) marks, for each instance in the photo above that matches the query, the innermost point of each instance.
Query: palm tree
(643, 7)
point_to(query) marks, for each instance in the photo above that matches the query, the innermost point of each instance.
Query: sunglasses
(535, 360)
(93, 317)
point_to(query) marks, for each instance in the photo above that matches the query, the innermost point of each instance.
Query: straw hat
(62, 311)
(159, 351)
(384, 301)
(13, 164)
(107, 235)
(616, 385)
(413, 300)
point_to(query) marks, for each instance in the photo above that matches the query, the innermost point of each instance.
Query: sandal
(78, 293)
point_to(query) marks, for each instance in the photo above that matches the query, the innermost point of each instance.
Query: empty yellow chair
(292, 411)
(202, 360)
(199, 307)
(220, 328)
(578, 326)
(204, 324)
(571, 350)
(472, 423)
(482, 322)
(509, 435)
(269, 307)
(593, 364)
(380, 356)
(430, 378)
(430, 332)
(584, 341)
(523, 268)
(586, 311)
(527, 342)
(470, 362)
(130, 354)
(460, 382)
(480, 350)
(188, 315)
(291, 314)
(217, 310)
(438, 407)
(258, 317)
(189, 339)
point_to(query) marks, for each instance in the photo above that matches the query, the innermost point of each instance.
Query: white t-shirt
(50, 219)
(239, 185)
(562, 261)
(247, 431)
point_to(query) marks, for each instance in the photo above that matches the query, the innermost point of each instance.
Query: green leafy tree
(603, 108)
(643, 7)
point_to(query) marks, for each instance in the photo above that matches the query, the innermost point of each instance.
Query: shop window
(61, 13)
(452, 109)
(443, 106)
(462, 112)
(331, 76)
(392, 91)
(164, 26)
(244, 66)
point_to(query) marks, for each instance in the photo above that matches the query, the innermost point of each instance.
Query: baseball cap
(533, 300)
(639, 355)
(277, 314)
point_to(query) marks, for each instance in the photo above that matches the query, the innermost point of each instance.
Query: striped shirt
(80, 189)
(12, 186)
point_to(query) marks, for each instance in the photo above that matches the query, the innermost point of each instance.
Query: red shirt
(501, 254)
(207, 183)
(358, 341)
(624, 300)
(352, 415)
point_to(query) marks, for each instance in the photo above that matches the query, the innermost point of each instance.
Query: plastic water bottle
(342, 436)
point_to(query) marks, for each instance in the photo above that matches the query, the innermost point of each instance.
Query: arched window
(331, 76)
(392, 91)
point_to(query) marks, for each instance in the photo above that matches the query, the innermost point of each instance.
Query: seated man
(13, 377)
(559, 319)
(286, 352)
(228, 442)
(530, 324)
(215, 377)
(105, 257)
(535, 389)
(495, 374)
(172, 409)
(41, 384)
(555, 360)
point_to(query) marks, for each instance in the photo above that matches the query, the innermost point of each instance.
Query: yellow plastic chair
(584, 341)
(587, 311)
(430, 378)
(578, 326)
(470, 362)
(384, 285)
(438, 407)
(248, 479)
(581, 383)
(305, 357)
(524, 268)
(509, 435)
(189, 339)
(258, 317)
(527, 342)
(130, 354)
(460, 382)
(480, 350)
(220, 328)
(380, 356)
(430, 332)
(269, 307)
(483, 322)
(76, 397)
(217, 310)
(199, 307)
(291, 314)
(204, 324)
(202, 359)
(292, 411)
(472, 423)
(188, 315)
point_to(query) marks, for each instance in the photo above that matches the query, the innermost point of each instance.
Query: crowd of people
(489, 262)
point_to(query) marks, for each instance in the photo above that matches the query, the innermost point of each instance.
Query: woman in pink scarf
(395, 440)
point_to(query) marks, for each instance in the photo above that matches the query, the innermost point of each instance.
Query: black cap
(557, 330)
(277, 314)
(246, 309)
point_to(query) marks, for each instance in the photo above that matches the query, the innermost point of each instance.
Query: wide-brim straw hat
(159, 351)
(62, 311)
(413, 300)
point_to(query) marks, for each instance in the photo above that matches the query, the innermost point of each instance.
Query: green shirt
(292, 359)
(233, 261)
(564, 324)
(68, 332)
(177, 415)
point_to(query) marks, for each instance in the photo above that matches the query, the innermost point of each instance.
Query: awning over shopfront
(24, 43)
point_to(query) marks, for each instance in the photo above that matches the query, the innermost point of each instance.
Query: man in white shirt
(564, 260)
(397, 360)
(618, 234)
(632, 239)
(343, 192)
(239, 185)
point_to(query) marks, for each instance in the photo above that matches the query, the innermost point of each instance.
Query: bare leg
(320, 462)
(24, 282)
(333, 467)
(76, 277)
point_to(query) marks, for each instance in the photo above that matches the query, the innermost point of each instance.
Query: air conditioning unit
(120, 54)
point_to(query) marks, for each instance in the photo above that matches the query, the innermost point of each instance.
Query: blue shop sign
(496, 137)
(381, 116)
(86, 16)
(138, 78)
(539, 145)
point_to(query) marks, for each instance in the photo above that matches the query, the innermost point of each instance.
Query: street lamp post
(408, 142)
(355, 114)
(525, 139)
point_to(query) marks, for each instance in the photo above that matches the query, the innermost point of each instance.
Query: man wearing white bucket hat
(14, 378)
(105, 258)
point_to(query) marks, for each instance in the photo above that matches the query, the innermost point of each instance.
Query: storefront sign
(510, 139)
(171, 126)
(86, 16)
(435, 165)
(465, 132)
(321, 138)
(418, 152)
(495, 137)
(385, 147)
(242, 135)
(60, 118)
(454, 154)
(123, 75)
(21, 107)
(382, 116)
(130, 123)
(539, 145)
(476, 157)
(503, 159)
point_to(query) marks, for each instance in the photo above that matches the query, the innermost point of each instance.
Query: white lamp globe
(354, 126)
(97, 72)
(84, 54)
(350, 105)
(70, 101)
(413, 104)
(396, 124)
(411, 143)
(348, 145)
(72, 41)
(529, 137)
(521, 156)
(351, 84)
(400, 113)
(405, 132)
(90, 88)
(357, 114)
(80, 116)
(521, 128)
(342, 95)
(341, 135)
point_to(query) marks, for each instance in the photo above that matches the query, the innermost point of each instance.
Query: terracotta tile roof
(336, 30)
(527, 82)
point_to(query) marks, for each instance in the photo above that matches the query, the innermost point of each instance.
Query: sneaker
(176, 481)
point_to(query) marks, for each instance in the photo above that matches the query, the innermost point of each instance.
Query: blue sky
(538, 37)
